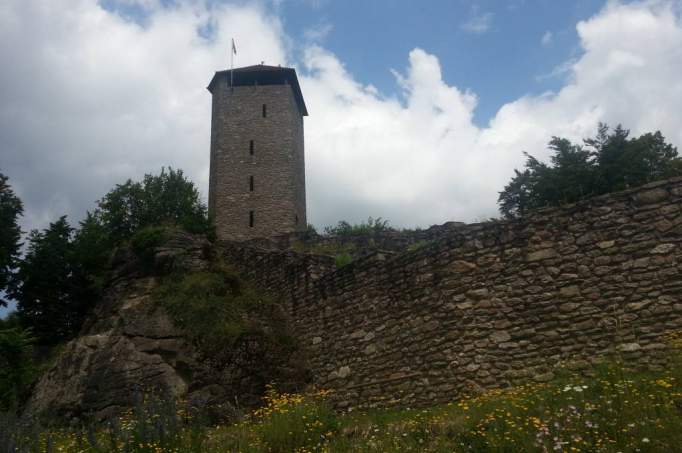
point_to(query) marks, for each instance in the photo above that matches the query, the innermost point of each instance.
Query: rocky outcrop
(131, 346)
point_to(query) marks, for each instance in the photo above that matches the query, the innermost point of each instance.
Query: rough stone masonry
(490, 304)
(257, 174)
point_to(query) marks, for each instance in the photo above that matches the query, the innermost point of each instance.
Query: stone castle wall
(276, 162)
(488, 305)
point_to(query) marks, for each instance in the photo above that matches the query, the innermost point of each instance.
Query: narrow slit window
(251, 183)
(296, 219)
(250, 219)
(265, 111)
(251, 147)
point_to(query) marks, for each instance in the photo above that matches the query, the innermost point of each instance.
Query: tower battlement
(257, 174)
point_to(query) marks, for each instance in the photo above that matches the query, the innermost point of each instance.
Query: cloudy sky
(419, 111)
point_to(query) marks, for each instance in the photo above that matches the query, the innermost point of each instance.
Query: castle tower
(257, 175)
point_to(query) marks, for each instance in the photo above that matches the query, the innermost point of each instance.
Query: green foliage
(286, 423)
(145, 241)
(371, 227)
(214, 307)
(51, 288)
(17, 369)
(92, 248)
(614, 409)
(609, 162)
(165, 199)
(152, 425)
(64, 270)
(342, 259)
(10, 233)
(617, 409)
(418, 245)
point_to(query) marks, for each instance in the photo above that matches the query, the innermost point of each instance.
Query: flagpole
(232, 52)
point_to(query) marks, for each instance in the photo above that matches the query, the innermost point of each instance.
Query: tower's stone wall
(275, 161)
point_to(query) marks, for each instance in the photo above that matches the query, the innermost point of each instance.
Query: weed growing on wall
(342, 259)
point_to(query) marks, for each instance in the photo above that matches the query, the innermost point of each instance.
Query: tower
(257, 174)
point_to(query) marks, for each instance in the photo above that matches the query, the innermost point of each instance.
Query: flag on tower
(234, 48)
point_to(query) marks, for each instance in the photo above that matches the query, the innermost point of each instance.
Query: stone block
(651, 196)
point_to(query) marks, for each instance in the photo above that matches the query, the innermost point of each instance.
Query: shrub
(17, 369)
(371, 227)
(145, 242)
(342, 259)
(215, 308)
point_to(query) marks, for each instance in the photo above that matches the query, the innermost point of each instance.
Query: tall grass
(615, 409)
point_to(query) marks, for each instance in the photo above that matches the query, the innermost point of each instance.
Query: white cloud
(547, 38)
(478, 23)
(91, 99)
(318, 33)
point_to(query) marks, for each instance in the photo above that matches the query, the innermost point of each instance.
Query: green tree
(17, 369)
(92, 248)
(167, 198)
(51, 290)
(10, 233)
(608, 162)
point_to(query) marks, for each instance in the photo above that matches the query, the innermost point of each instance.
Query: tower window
(296, 219)
(251, 147)
(251, 183)
(251, 219)
(265, 111)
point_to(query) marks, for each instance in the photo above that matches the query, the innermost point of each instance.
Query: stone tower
(257, 175)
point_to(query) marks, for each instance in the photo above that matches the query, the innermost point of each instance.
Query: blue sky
(493, 48)
(419, 110)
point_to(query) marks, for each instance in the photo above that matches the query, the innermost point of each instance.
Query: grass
(613, 410)
(215, 308)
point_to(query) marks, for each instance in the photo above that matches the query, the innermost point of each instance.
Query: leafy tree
(167, 198)
(17, 368)
(51, 290)
(92, 247)
(10, 233)
(609, 162)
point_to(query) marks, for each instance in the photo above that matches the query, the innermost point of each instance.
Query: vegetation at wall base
(614, 409)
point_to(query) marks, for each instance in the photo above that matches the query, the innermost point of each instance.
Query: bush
(215, 308)
(17, 369)
(342, 260)
(145, 242)
(371, 227)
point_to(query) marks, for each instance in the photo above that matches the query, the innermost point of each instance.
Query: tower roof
(262, 75)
